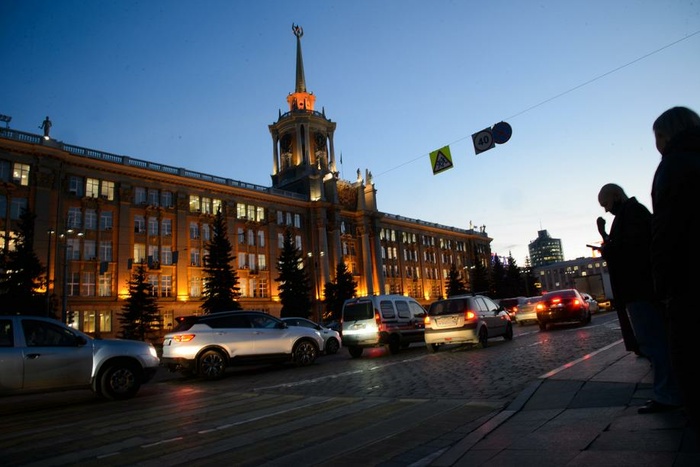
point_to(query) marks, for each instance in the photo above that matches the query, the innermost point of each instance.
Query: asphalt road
(380, 409)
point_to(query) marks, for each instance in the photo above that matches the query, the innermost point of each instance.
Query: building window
(280, 218)
(87, 288)
(73, 283)
(139, 253)
(90, 219)
(20, 174)
(262, 262)
(139, 224)
(140, 196)
(261, 238)
(297, 221)
(194, 231)
(166, 255)
(17, 207)
(251, 238)
(195, 258)
(216, 205)
(76, 186)
(106, 222)
(153, 280)
(206, 232)
(166, 227)
(241, 260)
(166, 285)
(73, 248)
(166, 198)
(107, 190)
(89, 249)
(195, 287)
(195, 206)
(241, 235)
(206, 205)
(152, 226)
(75, 218)
(105, 285)
(153, 197)
(106, 251)
(92, 187)
(4, 171)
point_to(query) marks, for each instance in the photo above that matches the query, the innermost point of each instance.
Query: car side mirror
(80, 341)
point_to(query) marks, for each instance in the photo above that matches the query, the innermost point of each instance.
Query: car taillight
(469, 315)
(576, 302)
(556, 300)
(378, 320)
(426, 320)
(183, 337)
(539, 306)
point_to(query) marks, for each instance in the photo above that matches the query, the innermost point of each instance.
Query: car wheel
(588, 317)
(509, 332)
(435, 347)
(543, 326)
(212, 365)
(120, 380)
(332, 346)
(484, 337)
(304, 353)
(394, 344)
(355, 351)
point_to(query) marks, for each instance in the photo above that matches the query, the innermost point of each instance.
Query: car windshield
(358, 311)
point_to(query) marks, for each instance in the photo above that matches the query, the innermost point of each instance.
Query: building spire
(300, 85)
(300, 99)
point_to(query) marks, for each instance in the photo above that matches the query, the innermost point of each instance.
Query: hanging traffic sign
(502, 132)
(441, 160)
(483, 140)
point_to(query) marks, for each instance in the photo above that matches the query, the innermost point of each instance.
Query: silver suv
(206, 345)
(41, 354)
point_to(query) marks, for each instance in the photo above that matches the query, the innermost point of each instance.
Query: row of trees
(22, 275)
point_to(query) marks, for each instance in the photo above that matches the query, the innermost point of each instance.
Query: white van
(378, 320)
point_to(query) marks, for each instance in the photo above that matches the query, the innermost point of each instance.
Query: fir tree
(294, 288)
(335, 293)
(498, 275)
(514, 284)
(22, 273)
(455, 282)
(480, 277)
(220, 290)
(140, 316)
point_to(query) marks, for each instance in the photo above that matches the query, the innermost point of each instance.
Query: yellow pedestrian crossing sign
(441, 160)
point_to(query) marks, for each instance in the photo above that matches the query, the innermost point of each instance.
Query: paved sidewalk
(582, 414)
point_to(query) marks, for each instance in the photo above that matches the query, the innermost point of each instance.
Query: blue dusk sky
(195, 84)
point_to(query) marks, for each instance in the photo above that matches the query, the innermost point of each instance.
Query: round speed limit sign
(483, 141)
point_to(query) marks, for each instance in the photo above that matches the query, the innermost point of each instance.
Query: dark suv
(562, 306)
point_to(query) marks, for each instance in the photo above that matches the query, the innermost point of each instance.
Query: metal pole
(48, 275)
(64, 307)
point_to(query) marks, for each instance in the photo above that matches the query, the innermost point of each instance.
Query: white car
(593, 306)
(41, 354)
(205, 345)
(331, 338)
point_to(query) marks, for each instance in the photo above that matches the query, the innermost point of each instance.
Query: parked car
(331, 338)
(466, 319)
(562, 306)
(378, 320)
(527, 312)
(512, 306)
(42, 354)
(593, 305)
(206, 345)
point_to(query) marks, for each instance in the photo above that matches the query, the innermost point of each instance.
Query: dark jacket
(627, 252)
(675, 199)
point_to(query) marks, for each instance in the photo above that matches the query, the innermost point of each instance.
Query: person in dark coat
(618, 303)
(627, 251)
(675, 255)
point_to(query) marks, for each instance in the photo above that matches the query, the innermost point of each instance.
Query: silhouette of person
(675, 196)
(46, 126)
(626, 328)
(627, 251)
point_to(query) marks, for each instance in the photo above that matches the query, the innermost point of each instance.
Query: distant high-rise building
(545, 250)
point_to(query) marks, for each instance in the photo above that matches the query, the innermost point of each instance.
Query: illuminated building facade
(99, 214)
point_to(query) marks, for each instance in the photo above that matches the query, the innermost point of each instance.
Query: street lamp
(50, 232)
(64, 307)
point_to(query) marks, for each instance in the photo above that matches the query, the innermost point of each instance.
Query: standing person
(626, 329)
(675, 196)
(628, 253)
